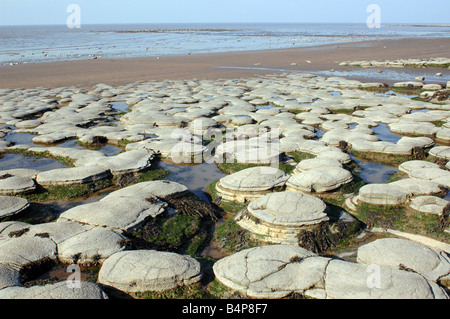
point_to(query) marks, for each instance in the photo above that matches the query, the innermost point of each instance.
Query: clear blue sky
(34, 12)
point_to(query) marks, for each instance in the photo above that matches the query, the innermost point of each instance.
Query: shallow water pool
(196, 178)
(374, 172)
(383, 132)
(14, 161)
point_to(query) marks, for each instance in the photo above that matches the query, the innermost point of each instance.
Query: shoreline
(227, 65)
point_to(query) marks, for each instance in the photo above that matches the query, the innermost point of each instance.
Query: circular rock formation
(382, 194)
(400, 253)
(149, 270)
(319, 180)
(429, 204)
(250, 183)
(280, 217)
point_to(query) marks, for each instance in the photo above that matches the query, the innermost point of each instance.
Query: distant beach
(320, 59)
(36, 44)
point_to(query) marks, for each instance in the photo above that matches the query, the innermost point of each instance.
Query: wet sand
(209, 66)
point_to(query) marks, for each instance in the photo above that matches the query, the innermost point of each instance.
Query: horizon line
(435, 24)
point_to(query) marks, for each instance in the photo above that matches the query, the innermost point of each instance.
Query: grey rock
(399, 253)
(60, 290)
(149, 270)
(72, 176)
(12, 205)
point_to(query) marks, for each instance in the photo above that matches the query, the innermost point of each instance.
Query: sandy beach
(217, 65)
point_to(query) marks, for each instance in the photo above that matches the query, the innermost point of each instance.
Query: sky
(46, 12)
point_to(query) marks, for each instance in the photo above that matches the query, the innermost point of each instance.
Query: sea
(39, 44)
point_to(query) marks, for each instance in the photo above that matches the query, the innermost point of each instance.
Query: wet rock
(149, 270)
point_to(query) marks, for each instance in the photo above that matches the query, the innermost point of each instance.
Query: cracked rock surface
(277, 271)
(149, 270)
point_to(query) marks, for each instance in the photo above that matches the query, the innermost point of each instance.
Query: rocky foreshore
(293, 197)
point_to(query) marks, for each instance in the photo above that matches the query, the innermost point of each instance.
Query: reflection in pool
(383, 132)
(196, 178)
(374, 172)
(14, 161)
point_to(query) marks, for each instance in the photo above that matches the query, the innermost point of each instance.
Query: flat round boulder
(16, 185)
(410, 166)
(429, 173)
(342, 157)
(288, 209)
(383, 194)
(429, 204)
(281, 216)
(91, 246)
(418, 187)
(145, 190)
(272, 271)
(250, 183)
(10, 205)
(117, 213)
(21, 172)
(149, 270)
(72, 176)
(400, 253)
(441, 152)
(319, 180)
(312, 163)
